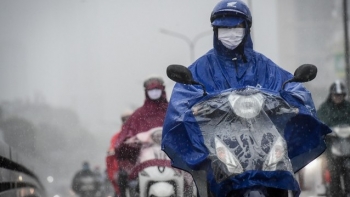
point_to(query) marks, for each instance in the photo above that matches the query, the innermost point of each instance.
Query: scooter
(250, 148)
(339, 150)
(154, 176)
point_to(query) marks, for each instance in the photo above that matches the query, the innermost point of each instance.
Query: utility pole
(346, 44)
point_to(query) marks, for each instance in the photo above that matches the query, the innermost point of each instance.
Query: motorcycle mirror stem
(182, 74)
(303, 73)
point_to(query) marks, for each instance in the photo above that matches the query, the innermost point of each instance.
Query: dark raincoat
(334, 115)
(221, 69)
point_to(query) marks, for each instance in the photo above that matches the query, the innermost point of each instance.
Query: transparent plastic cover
(243, 130)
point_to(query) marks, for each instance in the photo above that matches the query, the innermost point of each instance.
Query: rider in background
(111, 160)
(148, 116)
(84, 182)
(335, 111)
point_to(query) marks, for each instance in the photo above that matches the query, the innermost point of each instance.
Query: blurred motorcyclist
(111, 160)
(232, 63)
(84, 182)
(335, 111)
(148, 116)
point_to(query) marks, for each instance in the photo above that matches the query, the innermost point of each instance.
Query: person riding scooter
(335, 112)
(148, 116)
(231, 64)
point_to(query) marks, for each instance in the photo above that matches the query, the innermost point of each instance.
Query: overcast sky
(93, 55)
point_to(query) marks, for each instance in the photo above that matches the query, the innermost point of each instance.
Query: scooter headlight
(246, 106)
(277, 153)
(224, 155)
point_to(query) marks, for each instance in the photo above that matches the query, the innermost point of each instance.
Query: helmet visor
(227, 21)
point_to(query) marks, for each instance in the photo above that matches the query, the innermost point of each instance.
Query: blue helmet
(230, 13)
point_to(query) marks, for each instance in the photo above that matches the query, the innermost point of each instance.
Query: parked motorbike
(154, 176)
(246, 132)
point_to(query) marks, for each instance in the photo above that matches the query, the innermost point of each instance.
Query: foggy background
(69, 68)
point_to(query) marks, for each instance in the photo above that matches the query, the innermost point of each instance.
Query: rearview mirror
(182, 74)
(179, 74)
(303, 73)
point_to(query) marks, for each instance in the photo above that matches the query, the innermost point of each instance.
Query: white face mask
(154, 94)
(231, 37)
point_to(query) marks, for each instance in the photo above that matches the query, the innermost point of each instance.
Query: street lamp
(191, 43)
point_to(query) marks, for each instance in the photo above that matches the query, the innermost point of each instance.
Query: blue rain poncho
(222, 69)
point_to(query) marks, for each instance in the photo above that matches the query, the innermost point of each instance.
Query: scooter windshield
(243, 130)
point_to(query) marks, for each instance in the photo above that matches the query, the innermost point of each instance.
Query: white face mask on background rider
(231, 37)
(154, 94)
